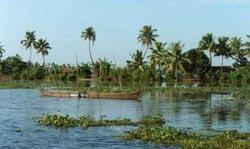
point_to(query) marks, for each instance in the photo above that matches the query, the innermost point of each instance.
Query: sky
(117, 24)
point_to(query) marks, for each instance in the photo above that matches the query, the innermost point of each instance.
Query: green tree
(42, 47)
(29, 41)
(175, 59)
(84, 70)
(103, 68)
(237, 51)
(136, 61)
(208, 43)
(13, 66)
(158, 53)
(223, 49)
(146, 37)
(90, 35)
(199, 65)
(2, 50)
(247, 46)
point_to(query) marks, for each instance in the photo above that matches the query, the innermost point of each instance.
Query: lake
(19, 107)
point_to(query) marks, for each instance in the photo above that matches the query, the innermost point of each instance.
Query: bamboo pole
(77, 77)
(54, 82)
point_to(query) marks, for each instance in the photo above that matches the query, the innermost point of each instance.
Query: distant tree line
(155, 61)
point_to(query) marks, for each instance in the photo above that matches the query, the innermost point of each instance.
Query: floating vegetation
(185, 139)
(59, 121)
(152, 120)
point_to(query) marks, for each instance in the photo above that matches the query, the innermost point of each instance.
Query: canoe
(103, 95)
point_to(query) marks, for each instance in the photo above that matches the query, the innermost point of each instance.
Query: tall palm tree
(90, 35)
(42, 47)
(158, 52)
(2, 50)
(176, 59)
(29, 41)
(223, 49)
(146, 37)
(208, 43)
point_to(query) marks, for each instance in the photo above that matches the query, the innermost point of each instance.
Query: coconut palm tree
(223, 49)
(158, 52)
(90, 35)
(136, 61)
(247, 46)
(42, 47)
(237, 50)
(208, 43)
(2, 50)
(176, 59)
(146, 37)
(29, 42)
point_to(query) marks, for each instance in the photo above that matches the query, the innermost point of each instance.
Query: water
(18, 129)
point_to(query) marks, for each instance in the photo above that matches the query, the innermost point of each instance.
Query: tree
(90, 35)
(199, 65)
(175, 59)
(237, 51)
(13, 66)
(2, 50)
(208, 43)
(29, 41)
(103, 68)
(146, 37)
(42, 47)
(158, 52)
(247, 45)
(136, 61)
(223, 49)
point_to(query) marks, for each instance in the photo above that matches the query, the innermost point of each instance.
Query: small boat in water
(91, 94)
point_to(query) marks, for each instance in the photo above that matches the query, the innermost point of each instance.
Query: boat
(91, 94)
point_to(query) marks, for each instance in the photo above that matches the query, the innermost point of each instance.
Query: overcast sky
(117, 24)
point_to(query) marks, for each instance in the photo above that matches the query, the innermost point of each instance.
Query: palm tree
(237, 51)
(1, 50)
(247, 45)
(29, 41)
(157, 55)
(175, 59)
(137, 60)
(207, 43)
(146, 37)
(223, 49)
(42, 46)
(90, 35)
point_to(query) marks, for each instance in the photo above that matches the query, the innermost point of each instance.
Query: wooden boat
(109, 95)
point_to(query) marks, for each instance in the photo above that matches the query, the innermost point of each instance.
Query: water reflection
(214, 111)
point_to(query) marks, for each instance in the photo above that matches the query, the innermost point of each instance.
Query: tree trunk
(222, 59)
(29, 65)
(159, 65)
(90, 54)
(43, 60)
(176, 74)
(210, 61)
(30, 54)
(144, 55)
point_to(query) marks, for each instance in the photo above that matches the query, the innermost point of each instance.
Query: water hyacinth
(60, 121)
(188, 140)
